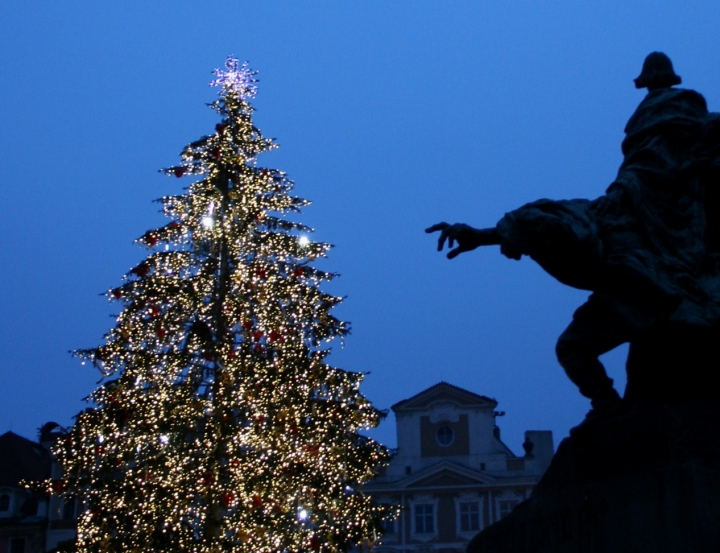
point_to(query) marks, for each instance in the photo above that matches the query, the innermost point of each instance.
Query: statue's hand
(467, 237)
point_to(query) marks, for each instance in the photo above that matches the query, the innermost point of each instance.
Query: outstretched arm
(467, 237)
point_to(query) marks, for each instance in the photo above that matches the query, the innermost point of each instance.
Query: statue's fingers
(454, 253)
(443, 237)
(440, 242)
(435, 228)
(457, 251)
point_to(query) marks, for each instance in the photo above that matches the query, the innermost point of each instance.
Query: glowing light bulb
(208, 221)
(164, 439)
(302, 514)
(101, 439)
(304, 240)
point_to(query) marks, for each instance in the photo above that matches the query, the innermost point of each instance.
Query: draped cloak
(652, 236)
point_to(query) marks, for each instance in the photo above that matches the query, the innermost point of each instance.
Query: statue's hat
(657, 72)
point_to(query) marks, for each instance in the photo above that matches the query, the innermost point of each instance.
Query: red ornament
(58, 485)
(228, 499)
(261, 273)
(160, 332)
(174, 224)
(155, 311)
(179, 171)
(294, 430)
(207, 478)
(313, 449)
(117, 293)
(299, 271)
(315, 542)
(247, 325)
(275, 337)
(257, 335)
(257, 501)
(151, 239)
(141, 270)
(259, 349)
(231, 353)
(235, 463)
(260, 419)
(216, 153)
(220, 127)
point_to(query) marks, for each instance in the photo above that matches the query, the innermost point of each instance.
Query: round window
(445, 436)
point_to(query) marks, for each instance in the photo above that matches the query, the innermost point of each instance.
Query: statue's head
(657, 72)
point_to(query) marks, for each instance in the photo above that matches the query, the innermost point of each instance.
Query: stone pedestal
(644, 481)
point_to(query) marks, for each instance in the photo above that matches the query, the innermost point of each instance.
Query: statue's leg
(595, 330)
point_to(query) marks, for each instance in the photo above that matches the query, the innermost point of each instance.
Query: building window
(17, 545)
(4, 502)
(445, 436)
(424, 519)
(469, 516)
(69, 509)
(505, 506)
(388, 526)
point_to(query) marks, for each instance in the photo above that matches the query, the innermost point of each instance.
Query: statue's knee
(573, 357)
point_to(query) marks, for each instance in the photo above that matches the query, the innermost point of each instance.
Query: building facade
(451, 473)
(31, 522)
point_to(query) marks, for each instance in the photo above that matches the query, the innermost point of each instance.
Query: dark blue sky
(391, 116)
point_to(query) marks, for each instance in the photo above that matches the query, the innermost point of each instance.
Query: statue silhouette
(648, 250)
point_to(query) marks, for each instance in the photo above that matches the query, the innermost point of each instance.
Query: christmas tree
(218, 425)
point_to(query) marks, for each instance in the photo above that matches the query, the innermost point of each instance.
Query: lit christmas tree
(222, 428)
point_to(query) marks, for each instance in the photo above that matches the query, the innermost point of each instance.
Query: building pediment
(444, 393)
(446, 474)
(444, 478)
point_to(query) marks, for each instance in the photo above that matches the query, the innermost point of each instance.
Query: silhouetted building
(32, 522)
(451, 472)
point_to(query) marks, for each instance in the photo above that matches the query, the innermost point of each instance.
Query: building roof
(444, 391)
(22, 459)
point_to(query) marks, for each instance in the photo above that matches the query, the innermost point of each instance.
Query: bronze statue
(648, 250)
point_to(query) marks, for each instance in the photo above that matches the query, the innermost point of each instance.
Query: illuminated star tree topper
(237, 79)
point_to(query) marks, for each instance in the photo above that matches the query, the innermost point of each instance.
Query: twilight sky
(390, 116)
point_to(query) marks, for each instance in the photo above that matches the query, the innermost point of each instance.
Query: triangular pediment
(444, 478)
(444, 393)
(446, 473)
